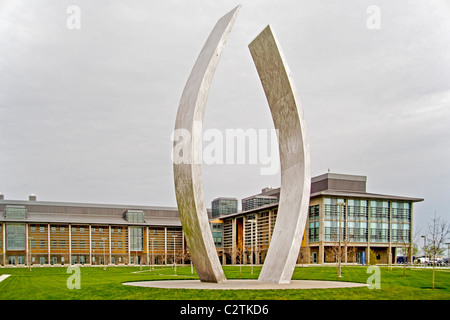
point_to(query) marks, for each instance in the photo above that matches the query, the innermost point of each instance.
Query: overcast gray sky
(86, 115)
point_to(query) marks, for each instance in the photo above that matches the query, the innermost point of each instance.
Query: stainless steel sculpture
(187, 167)
(293, 144)
(294, 155)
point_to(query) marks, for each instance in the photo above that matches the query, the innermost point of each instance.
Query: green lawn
(96, 284)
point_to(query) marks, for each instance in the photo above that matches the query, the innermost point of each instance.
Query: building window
(379, 210)
(331, 230)
(136, 216)
(136, 238)
(401, 211)
(332, 208)
(357, 210)
(357, 231)
(313, 227)
(15, 237)
(379, 232)
(15, 212)
(401, 232)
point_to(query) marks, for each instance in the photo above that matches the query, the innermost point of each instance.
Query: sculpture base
(244, 285)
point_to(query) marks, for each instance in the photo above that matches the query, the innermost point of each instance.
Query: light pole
(104, 253)
(29, 260)
(151, 239)
(424, 248)
(174, 261)
(448, 250)
(251, 242)
(339, 251)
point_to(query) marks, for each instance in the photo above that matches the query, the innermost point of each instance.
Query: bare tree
(438, 232)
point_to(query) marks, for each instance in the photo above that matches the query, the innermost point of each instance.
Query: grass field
(96, 284)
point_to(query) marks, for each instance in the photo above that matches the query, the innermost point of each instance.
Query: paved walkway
(244, 285)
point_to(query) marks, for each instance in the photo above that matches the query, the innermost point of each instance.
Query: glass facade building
(224, 206)
(340, 212)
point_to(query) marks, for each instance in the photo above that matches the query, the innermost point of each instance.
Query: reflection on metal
(187, 171)
(287, 115)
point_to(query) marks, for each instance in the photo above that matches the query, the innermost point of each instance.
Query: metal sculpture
(293, 144)
(294, 155)
(187, 166)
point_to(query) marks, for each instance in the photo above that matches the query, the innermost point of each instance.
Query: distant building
(223, 206)
(340, 208)
(257, 201)
(62, 233)
(367, 222)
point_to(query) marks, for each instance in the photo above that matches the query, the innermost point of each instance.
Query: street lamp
(174, 261)
(29, 260)
(448, 250)
(104, 253)
(151, 239)
(252, 221)
(424, 247)
(339, 252)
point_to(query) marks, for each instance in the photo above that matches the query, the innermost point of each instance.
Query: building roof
(90, 213)
(351, 194)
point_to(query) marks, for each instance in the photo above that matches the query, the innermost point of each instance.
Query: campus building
(340, 212)
(57, 233)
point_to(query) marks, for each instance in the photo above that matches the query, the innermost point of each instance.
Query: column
(48, 242)
(233, 240)
(410, 233)
(256, 239)
(70, 244)
(182, 246)
(4, 242)
(28, 259)
(146, 243)
(90, 246)
(389, 254)
(129, 244)
(345, 231)
(244, 248)
(368, 234)
(321, 253)
(109, 244)
(165, 245)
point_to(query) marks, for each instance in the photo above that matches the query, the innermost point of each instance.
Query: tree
(438, 232)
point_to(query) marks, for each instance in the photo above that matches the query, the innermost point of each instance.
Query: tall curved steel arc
(188, 154)
(287, 115)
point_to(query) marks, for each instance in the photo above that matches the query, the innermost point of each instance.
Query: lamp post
(151, 239)
(174, 261)
(29, 260)
(104, 253)
(339, 251)
(252, 221)
(424, 247)
(448, 250)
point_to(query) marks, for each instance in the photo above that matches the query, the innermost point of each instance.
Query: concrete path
(3, 277)
(244, 285)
